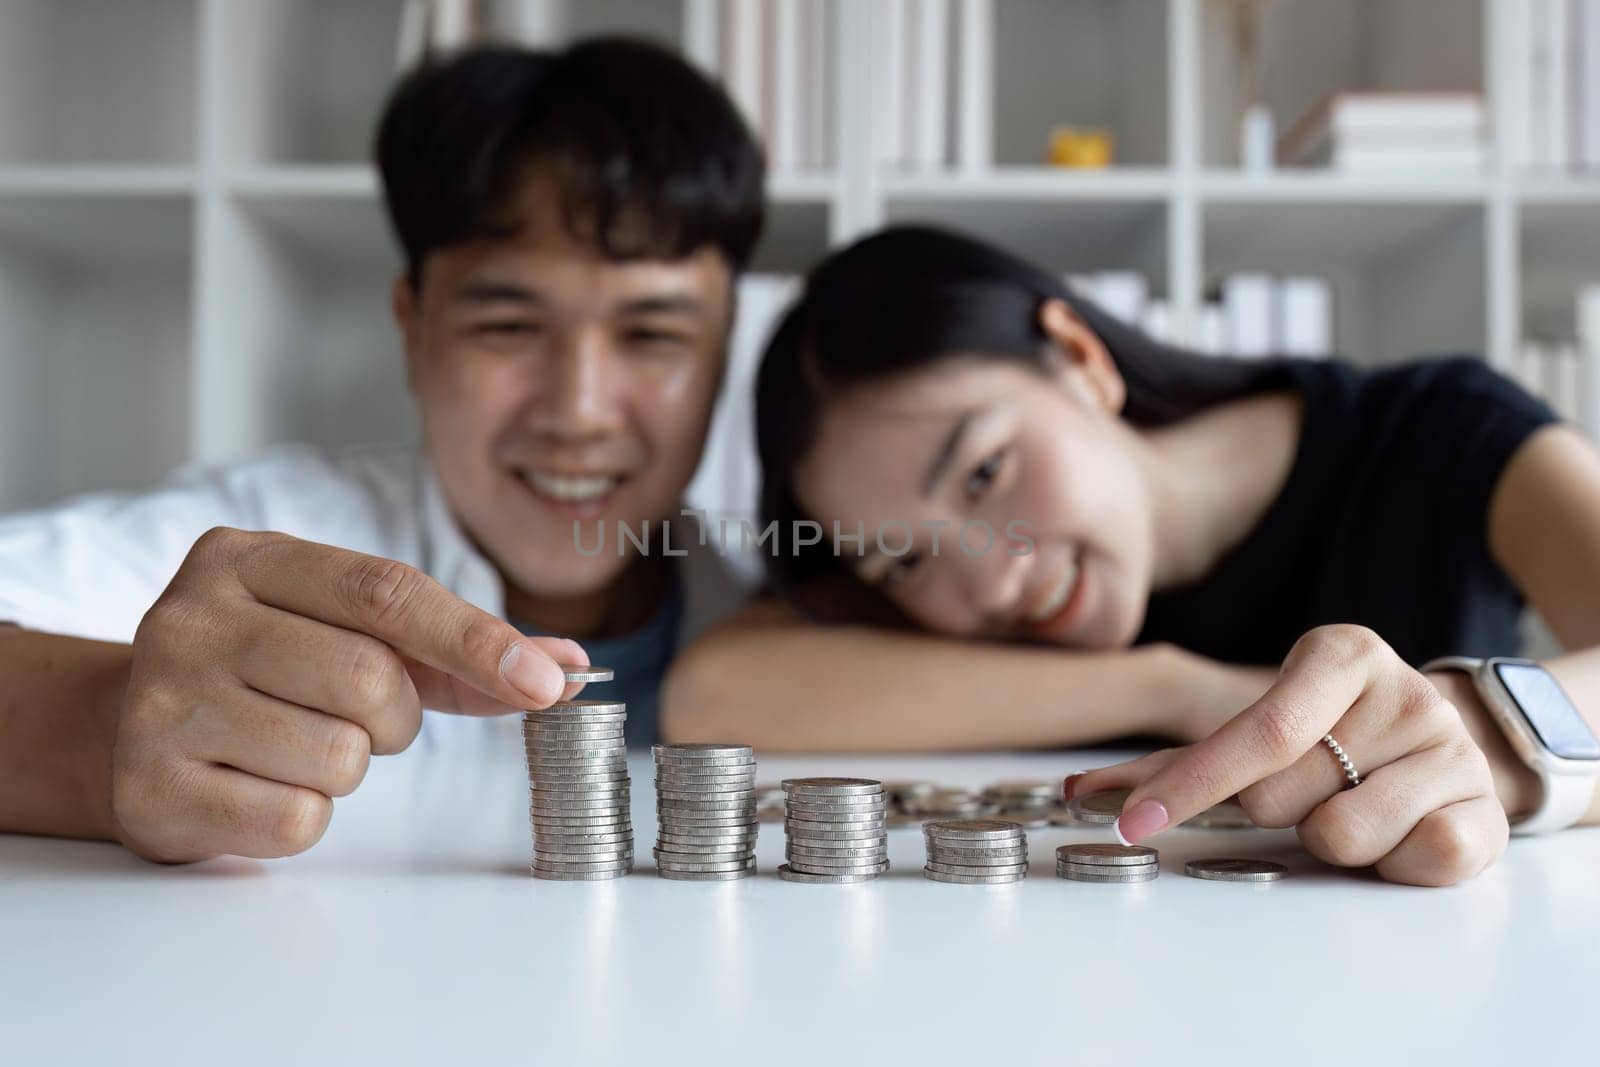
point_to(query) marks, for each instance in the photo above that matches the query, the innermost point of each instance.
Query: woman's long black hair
(907, 297)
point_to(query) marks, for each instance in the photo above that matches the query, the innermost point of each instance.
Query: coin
(1017, 856)
(832, 787)
(971, 879)
(1065, 871)
(590, 673)
(701, 750)
(972, 829)
(1235, 870)
(1102, 807)
(1107, 855)
(705, 876)
(874, 852)
(580, 876)
(681, 862)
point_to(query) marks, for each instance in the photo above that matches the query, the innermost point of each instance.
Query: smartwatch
(1545, 731)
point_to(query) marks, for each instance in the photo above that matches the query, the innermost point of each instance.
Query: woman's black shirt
(1382, 521)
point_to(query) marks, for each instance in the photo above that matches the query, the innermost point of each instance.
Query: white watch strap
(1565, 798)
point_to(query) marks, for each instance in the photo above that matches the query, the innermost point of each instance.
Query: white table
(413, 934)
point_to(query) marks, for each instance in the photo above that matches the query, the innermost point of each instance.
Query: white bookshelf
(194, 260)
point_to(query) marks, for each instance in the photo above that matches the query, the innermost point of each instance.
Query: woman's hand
(1425, 813)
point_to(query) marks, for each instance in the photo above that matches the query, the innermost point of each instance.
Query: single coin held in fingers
(587, 674)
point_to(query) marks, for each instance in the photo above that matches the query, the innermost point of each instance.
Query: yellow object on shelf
(1077, 146)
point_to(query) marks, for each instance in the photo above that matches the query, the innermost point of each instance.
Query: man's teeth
(561, 487)
(1065, 582)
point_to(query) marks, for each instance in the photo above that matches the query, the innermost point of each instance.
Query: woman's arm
(1544, 530)
(771, 679)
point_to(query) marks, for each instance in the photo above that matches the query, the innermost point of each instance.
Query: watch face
(1548, 711)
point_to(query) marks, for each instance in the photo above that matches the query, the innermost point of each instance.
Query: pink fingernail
(1070, 784)
(1140, 821)
(533, 675)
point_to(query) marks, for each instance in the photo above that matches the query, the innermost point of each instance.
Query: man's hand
(271, 669)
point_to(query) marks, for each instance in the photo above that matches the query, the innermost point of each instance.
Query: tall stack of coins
(578, 780)
(1107, 863)
(706, 811)
(837, 830)
(976, 851)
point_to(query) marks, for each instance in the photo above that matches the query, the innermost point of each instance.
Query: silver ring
(1352, 779)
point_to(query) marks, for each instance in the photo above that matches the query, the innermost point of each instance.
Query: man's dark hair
(646, 156)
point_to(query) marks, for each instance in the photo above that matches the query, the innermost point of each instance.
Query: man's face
(557, 385)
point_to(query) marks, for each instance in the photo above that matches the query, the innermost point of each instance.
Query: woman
(1212, 512)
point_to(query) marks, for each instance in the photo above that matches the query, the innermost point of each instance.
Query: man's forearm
(799, 687)
(59, 699)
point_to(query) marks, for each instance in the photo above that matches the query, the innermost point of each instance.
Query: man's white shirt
(92, 566)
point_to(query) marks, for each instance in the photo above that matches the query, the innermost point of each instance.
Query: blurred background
(194, 261)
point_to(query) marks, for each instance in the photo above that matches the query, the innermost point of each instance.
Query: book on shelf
(1553, 82)
(770, 57)
(1554, 373)
(910, 83)
(1372, 131)
(1262, 315)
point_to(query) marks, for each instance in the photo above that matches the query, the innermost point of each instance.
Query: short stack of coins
(1107, 863)
(578, 780)
(976, 851)
(837, 830)
(706, 812)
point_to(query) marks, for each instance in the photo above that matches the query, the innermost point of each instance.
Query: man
(572, 226)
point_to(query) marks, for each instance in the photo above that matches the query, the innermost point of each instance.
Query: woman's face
(1009, 501)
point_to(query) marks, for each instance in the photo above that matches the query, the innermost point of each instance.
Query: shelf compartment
(1408, 275)
(94, 343)
(97, 81)
(1069, 236)
(1080, 63)
(1310, 48)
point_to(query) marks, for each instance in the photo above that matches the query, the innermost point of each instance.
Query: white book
(1305, 317)
(1514, 127)
(1211, 332)
(411, 46)
(1248, 300)
(1589, 346)
(1541, 83)
(1462, 160)
(814, 117)
(1122, 293)
(1586, 40)
(931, 21)
(976, 129)
(1560, 86)
(891, 103)
(1347, 117)
(1156, 322)
(534, 23)
(455, 25)
(787, 135)
(701, 36)
(743, 39)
